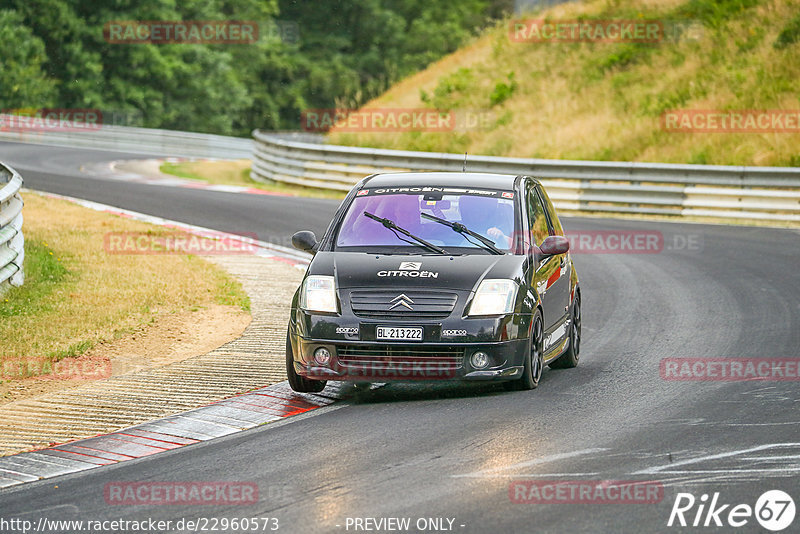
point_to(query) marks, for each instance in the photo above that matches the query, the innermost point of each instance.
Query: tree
(348, 52)
(24, 83)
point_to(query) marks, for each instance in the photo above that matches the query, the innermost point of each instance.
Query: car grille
(377, 356)
(427, 305)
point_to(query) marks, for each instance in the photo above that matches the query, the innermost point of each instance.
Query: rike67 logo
(774, 510)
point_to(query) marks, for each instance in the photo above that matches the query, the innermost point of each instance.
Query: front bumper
(389, 362)
(443, 353)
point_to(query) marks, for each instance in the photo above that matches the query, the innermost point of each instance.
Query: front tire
(534, 361)
(570, 358)
(299, 383)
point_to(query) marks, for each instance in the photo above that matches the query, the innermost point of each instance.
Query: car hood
(353, 270)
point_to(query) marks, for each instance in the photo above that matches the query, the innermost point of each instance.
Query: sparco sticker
(347, 330)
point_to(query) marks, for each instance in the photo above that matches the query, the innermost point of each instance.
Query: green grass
(605, 101)
(714, 13)
(73, 351)
(790, 33)
(77, 295)
(44, 273)
(229, 292)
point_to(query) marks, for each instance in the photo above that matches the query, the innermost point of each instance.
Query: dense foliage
(310, 54)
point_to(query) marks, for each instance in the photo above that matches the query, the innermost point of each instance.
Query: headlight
(319, 294)
(494, 297)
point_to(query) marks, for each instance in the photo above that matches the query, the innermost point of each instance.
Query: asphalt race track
(271, 218)
(451, 450)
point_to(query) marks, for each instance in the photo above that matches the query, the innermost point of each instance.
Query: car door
(558, 284)
(546, 270)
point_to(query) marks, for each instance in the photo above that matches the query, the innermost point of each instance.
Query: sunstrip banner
(434, 190)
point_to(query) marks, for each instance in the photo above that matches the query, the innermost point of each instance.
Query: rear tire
(299, 383)
(534, 362)
(570, 358)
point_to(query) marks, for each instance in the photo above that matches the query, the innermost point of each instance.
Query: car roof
(439, 179)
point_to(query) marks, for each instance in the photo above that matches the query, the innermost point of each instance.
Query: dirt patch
(169, 338)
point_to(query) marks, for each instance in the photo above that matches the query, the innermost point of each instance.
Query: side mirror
(304, 240)
(554, 244)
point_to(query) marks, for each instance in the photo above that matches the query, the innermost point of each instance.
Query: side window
(551, 211)
(537, 218)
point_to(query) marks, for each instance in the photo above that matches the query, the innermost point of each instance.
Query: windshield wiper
(485, 242)
(390, 224)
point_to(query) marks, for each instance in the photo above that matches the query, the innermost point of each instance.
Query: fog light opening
(479, 360)
(322, 356)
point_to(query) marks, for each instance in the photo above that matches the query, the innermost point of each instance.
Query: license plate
(399, 333)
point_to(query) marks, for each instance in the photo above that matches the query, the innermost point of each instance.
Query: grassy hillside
(603, 101)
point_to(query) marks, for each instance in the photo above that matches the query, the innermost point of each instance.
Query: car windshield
(487, 213)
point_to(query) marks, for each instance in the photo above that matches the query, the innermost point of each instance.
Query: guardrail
(12, 243)
(758, 193)
(728, 192)
(131, 140)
